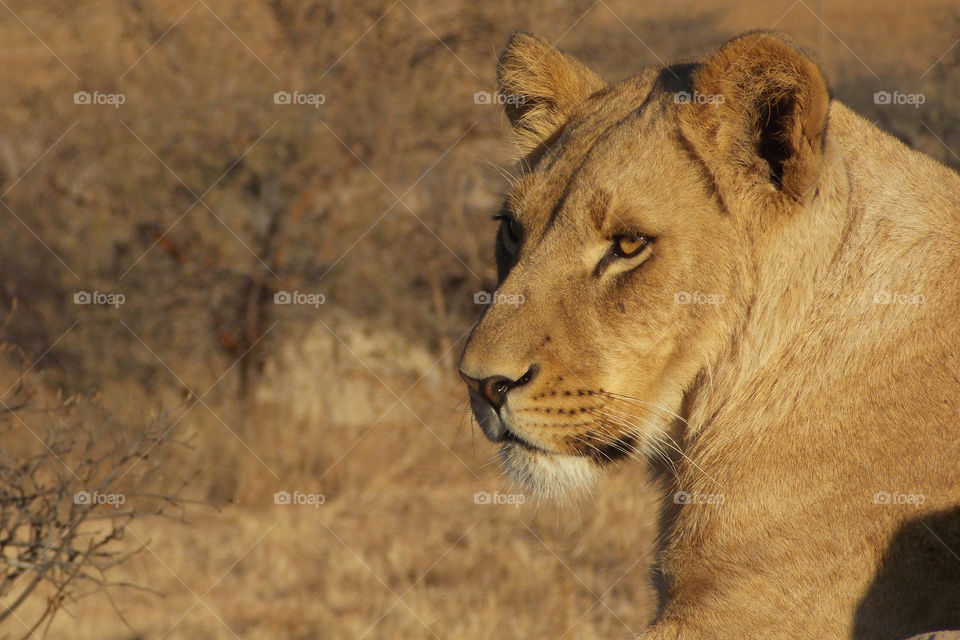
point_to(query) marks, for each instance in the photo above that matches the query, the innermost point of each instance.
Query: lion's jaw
(559, 474)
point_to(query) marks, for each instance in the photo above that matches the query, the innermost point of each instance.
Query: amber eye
(629, 245)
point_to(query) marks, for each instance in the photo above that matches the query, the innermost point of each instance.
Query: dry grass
(357, 399)
(399, 519)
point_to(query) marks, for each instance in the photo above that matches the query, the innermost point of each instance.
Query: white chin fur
(557, 477)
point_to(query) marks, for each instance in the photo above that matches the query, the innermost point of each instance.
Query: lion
(717, 268)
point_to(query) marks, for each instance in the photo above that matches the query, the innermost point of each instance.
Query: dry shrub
(71, 482)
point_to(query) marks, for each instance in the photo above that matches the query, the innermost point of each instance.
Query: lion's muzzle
(487, 397)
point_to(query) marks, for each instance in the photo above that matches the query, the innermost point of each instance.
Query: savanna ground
(200, 198)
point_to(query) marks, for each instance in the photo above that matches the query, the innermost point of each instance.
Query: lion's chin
(558, 477)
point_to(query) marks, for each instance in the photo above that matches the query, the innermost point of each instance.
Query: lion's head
(624, 246)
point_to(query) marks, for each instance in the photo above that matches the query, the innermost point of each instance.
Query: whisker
(627, 423)
(630, 399)
(509, 177)
(669, 439)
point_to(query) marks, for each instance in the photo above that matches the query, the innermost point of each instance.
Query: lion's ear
(757, 117)
(540, 86)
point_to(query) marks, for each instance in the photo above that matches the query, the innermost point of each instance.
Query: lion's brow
(596, 210)
(515, 198)
(598, 207)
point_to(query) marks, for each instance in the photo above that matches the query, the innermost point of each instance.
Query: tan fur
(788, 388)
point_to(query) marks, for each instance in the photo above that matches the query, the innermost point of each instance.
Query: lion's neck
(824, 368)
(854, 273)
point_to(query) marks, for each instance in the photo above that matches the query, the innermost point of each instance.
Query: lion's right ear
(540, 86)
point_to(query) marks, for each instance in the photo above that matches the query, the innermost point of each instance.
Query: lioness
(732, 275)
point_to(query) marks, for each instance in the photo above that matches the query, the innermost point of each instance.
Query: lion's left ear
(540, 86)
(757, 118)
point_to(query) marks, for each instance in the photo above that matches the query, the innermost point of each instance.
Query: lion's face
(594, 333)
(619, 268)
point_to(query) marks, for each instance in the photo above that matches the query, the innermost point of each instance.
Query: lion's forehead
(620, 106)
(589, 152)
(625, 159)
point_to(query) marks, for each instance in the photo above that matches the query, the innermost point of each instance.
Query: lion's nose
(494, 389)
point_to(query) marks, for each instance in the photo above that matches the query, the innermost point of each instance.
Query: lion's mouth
(600, 450)
(496, 428)
(601, 453)
(611, 451)
(511, 437)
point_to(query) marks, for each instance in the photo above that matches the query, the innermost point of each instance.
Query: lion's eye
(629, 245)
(510, 232)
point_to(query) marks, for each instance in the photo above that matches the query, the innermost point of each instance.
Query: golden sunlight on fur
(717, 269)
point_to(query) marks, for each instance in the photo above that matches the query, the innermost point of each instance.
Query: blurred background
(241, 244)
